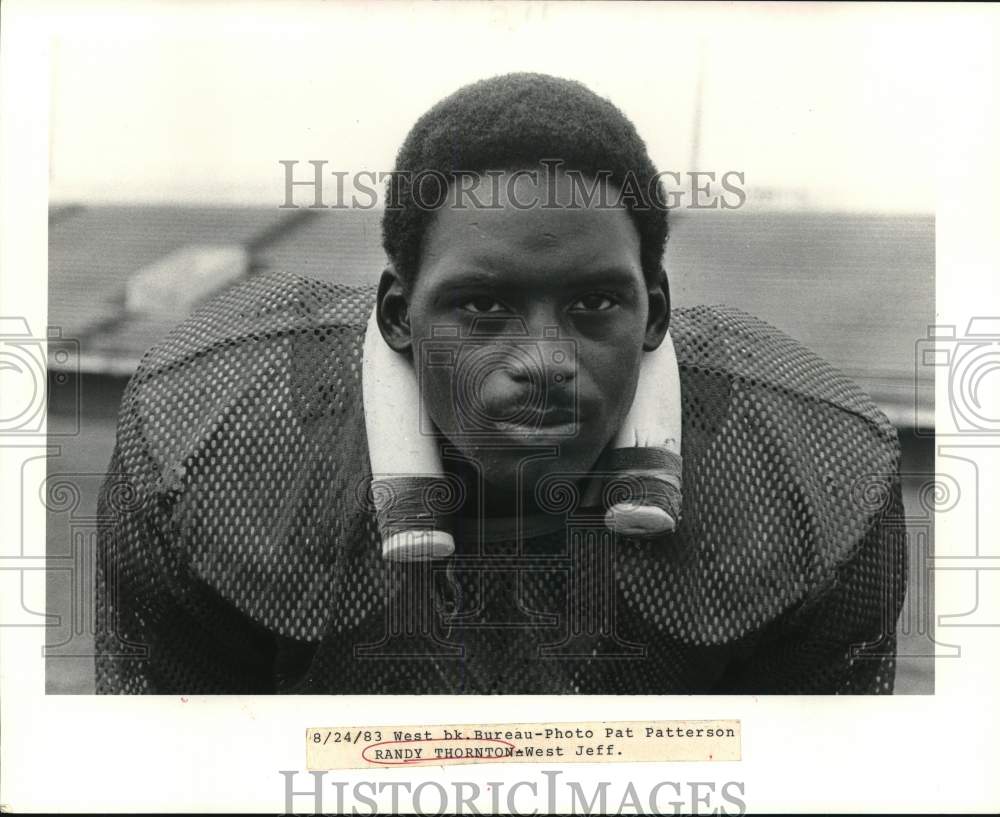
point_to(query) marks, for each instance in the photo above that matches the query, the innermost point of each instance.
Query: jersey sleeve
(161, 628)
(791, 552)
(233, 495)
(841, 638)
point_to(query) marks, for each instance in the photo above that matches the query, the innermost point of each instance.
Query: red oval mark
(433, 758)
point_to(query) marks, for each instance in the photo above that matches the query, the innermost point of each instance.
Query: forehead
(505, 228)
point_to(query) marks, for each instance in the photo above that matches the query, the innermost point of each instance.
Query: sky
(831, 106)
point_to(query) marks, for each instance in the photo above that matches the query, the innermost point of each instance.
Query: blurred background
(168, 127)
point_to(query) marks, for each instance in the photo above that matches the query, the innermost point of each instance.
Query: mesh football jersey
(238, 551)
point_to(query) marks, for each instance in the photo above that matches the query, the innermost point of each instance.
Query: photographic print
(576, 365)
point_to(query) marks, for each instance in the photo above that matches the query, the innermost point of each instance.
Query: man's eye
(482, 304)
(594, 302)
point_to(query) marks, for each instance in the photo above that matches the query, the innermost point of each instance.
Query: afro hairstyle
(516, 121)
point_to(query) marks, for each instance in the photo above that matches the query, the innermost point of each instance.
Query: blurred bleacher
(856, 288)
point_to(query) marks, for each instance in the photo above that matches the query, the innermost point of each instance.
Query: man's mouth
(552, 421)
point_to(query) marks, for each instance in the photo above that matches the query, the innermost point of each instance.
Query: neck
(487, 499)
(493, 512)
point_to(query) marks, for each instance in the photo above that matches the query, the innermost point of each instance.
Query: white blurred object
(176, 283)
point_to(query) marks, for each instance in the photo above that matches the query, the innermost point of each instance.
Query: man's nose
(549, 364)
(532, 348)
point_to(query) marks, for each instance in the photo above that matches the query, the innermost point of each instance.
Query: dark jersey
(238, 551)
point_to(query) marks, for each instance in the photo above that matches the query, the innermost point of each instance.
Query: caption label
(365, 747)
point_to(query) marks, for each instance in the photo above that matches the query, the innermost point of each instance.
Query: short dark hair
(516, 121)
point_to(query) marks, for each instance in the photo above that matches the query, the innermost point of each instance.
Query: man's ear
(659, 313)
(393, 310)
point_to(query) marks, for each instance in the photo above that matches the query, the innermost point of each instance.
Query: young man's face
(528, 326)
